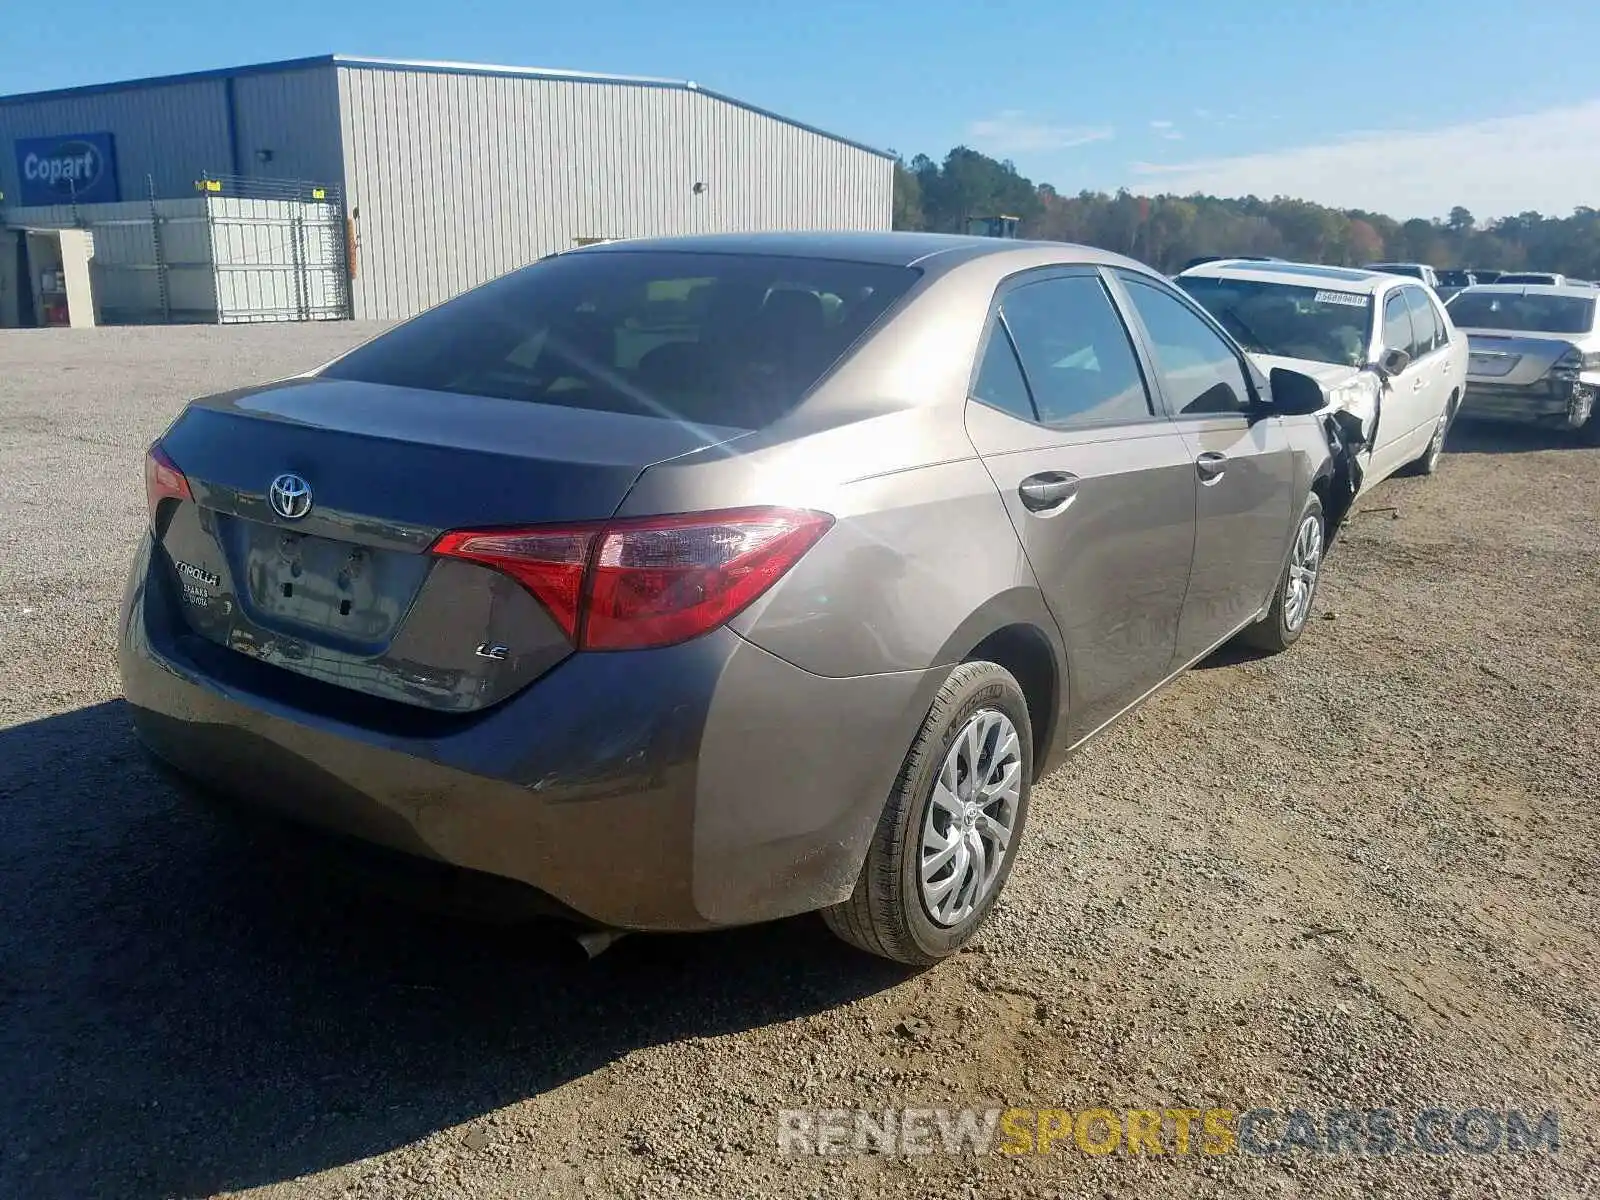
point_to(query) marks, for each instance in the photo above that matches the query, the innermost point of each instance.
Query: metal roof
(427, 65)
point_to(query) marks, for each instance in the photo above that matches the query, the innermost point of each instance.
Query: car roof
(1312, 275)
(1581, 290)
(903, 249)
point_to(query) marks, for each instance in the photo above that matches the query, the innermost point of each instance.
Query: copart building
(371, 188)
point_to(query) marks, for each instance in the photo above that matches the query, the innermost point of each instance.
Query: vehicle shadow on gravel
(182, 1013)
(1489, 437)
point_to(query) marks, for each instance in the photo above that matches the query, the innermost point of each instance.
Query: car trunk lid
(1513, 359)
(347, 592)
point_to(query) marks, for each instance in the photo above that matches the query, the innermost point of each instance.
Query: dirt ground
(1362, 875)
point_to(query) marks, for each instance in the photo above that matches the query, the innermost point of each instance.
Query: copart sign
(78, 167)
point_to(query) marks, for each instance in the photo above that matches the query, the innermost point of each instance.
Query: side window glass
(1396, 323)
(1441, 331)
(1000, 383)
(1200, 372)
(1421, 322)
(1075, 352)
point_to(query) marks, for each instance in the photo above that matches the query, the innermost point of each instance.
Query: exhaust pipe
(596, 942)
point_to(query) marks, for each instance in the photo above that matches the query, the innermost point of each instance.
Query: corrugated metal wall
(459, 177)
(176, 132)
(295, 116)
(150, 125)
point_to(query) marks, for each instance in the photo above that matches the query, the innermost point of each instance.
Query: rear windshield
(715, 339)
(1517, 313)
(1533, 277)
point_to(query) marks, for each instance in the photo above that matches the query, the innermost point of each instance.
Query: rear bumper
(702, 785)
(1546, 402)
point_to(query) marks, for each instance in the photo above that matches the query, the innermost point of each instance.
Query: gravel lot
(1363, 874)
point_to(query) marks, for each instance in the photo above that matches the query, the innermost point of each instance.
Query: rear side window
(1200, 372)
(1396, 323)
(716, 339)
(1000, 383)
(1075, 352)
(1423, 328)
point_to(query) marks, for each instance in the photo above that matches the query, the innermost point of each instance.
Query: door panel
(1432, 387)
(1244, 476)
(1099, 486)
(1243, 513)
(1404, 395)
(1111, 551)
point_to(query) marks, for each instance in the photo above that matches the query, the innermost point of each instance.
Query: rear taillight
(163, 480)
(646, 581)
(1574, 360)
(548, 562)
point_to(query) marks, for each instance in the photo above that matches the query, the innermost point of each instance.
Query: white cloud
(1495, 168)
(1160, 124)
(1015, 132)
(1172, 135)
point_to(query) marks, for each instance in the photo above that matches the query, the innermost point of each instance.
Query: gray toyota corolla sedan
(704, 581)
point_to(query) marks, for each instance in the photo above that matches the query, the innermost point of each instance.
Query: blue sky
(1407, 106)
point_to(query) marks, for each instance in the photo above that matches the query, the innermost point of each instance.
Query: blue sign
(78, 167)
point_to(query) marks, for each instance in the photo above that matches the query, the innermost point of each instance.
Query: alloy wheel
(970, 817)
(1436, 446)
(1305, 560)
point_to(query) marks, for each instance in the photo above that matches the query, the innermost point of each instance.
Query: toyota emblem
(290, 497)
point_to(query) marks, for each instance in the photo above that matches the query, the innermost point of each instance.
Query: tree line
(1168, 231)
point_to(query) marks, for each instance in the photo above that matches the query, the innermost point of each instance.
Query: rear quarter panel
(919, 562)
(921, 556)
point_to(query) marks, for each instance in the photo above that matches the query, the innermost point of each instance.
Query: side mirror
(1393, 362)
(1294, 394)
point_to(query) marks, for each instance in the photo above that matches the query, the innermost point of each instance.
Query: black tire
(885, 915)
(1274, 633)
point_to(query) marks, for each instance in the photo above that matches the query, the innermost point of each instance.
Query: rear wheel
(1297, 588)
(1429, 462)
(949, 833)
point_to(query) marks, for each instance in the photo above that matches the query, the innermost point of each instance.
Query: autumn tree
(1168, 231)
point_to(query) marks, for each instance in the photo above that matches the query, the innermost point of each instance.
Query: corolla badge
(290, 497)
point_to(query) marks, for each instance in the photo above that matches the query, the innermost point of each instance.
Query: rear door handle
(1048, 491)
(1210, 466)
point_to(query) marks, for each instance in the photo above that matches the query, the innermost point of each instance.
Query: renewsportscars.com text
(1175, 1131)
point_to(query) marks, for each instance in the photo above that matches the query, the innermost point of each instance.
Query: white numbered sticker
(1353, 299)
